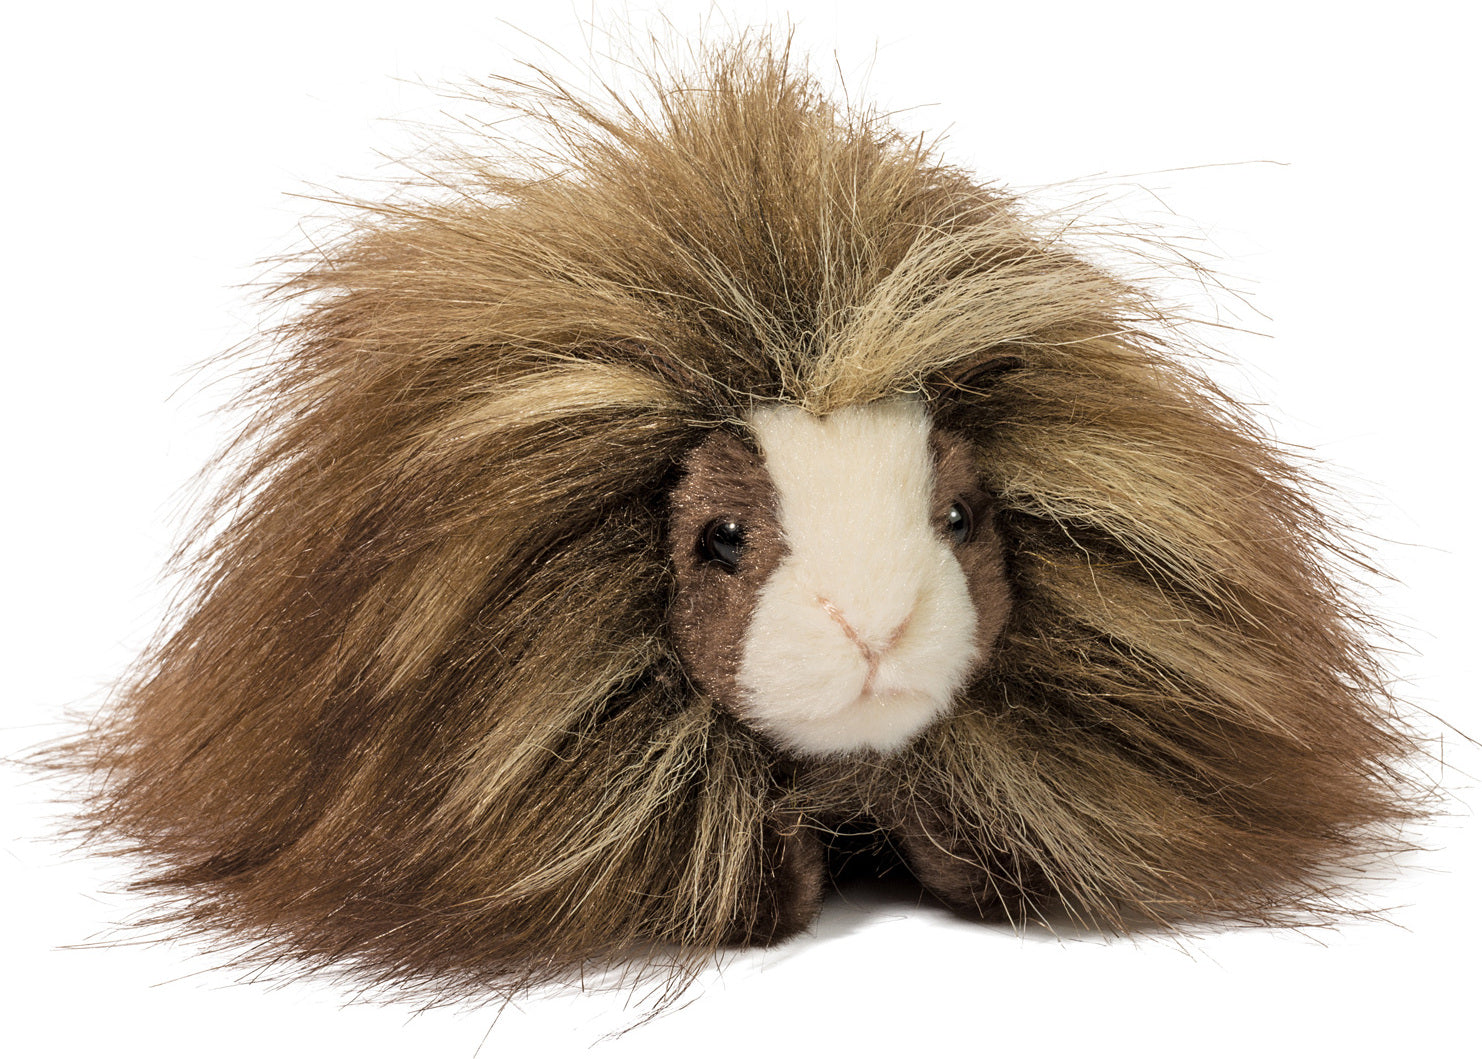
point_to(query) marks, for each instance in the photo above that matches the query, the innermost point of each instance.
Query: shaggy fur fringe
(422, 718)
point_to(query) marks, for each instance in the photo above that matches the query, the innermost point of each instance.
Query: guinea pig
(624, 539)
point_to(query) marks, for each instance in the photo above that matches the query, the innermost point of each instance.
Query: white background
(148, 149)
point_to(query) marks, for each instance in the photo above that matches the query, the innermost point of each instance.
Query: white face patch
(865, 630)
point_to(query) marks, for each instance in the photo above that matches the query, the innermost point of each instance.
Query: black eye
(722, 542)
(960, 522)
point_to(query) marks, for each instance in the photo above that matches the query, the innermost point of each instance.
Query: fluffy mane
(422, 717)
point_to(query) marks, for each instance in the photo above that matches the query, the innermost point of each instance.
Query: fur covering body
(424, 717)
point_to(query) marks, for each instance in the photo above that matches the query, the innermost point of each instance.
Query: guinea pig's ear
(983, 371)
(682, 377)
(968, 382)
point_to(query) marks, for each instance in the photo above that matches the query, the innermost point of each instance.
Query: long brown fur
(423, 717)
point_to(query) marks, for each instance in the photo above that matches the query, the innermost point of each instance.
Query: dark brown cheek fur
(712, 606)
(981, 558)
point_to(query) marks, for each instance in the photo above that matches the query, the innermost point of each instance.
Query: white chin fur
(865, 631)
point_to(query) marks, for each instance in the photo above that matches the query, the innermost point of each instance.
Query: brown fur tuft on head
(424, 715)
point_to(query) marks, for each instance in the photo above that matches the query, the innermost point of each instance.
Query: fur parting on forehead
(865, 632)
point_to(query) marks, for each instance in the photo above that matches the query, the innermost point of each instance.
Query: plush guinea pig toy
(629, 537)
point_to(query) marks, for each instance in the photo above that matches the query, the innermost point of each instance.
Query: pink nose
(872, 655)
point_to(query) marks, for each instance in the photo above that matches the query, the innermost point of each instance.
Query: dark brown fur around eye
(434, 714)
(712, 606)
(981, 558)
